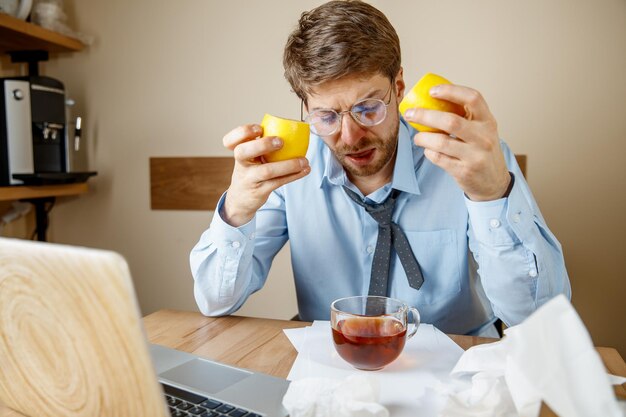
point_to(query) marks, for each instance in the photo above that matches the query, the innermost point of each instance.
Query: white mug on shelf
(16, 8)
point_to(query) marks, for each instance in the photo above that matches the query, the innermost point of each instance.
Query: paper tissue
(549, 357)
(354, 396)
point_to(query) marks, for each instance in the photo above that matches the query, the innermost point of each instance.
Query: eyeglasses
(368, 112)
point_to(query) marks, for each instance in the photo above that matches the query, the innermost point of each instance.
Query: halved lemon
(294, 133)
(419, 96)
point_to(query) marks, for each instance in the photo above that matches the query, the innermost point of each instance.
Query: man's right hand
(253, 181)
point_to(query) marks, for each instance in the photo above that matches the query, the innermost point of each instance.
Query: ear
(400, 86)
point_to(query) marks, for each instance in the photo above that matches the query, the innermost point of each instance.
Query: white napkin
(405, 385)
(354, 396)
(549, 357)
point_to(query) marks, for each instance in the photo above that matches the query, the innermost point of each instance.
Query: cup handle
(416, 316)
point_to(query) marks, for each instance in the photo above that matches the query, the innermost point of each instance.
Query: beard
(385, 151)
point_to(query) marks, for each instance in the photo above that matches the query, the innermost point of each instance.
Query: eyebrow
(371, 94)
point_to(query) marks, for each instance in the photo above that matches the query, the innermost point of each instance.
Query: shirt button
(516, 218)
(370, 249)
(235, 244)
(494, 223)
(532, 273)
(252, 235)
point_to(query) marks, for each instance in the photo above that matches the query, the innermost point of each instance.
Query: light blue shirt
(480, 260)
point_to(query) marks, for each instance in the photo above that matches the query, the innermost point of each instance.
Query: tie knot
(381, 212)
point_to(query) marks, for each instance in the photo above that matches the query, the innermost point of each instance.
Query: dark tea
(369, 343)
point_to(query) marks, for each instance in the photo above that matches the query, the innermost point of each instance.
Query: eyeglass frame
(341, 113)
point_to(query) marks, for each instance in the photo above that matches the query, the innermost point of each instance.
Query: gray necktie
(389, 233)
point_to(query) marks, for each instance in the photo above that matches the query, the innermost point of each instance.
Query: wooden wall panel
(197, 183)
(184, 183)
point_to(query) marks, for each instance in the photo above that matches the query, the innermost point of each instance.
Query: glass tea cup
(369, 332)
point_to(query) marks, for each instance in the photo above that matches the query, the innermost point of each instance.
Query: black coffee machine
(35, 144)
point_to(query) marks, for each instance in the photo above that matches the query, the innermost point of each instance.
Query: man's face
(364, 152)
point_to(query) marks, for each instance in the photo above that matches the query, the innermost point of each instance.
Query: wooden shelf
(19, 192)
(18, 35)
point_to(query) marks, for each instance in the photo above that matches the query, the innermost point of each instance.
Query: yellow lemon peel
(419, 96)
(295, 136)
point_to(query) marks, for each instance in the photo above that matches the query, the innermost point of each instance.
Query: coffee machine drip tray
(48, 178)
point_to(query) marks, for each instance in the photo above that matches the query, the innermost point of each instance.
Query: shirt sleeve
(520, 261)
(229, 263)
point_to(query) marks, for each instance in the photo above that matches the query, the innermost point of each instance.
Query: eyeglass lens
(368, 112)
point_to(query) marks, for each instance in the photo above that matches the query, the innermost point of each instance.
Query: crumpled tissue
(549, 357)
(354, 396)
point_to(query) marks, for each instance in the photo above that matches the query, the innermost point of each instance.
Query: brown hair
(340, 38)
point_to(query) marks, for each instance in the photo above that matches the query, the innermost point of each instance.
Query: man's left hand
(470, 150)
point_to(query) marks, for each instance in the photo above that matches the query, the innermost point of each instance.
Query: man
(463, 239)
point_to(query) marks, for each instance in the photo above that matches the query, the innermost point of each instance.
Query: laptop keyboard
(183, 403)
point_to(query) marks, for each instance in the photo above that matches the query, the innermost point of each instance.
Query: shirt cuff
(228, 237)
(505, 221)
(489, 223)
(520, 216)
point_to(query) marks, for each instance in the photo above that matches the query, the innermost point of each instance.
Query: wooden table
(261, 345)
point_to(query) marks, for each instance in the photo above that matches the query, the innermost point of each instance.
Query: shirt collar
(407, 158)
(333, 171)
(407, 162)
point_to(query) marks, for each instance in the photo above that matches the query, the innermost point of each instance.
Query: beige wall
(170, 78)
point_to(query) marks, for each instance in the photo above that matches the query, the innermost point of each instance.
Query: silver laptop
(72, 344)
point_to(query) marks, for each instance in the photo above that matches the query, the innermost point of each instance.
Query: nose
(351, 131)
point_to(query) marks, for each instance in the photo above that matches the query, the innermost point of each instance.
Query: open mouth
(361, 158)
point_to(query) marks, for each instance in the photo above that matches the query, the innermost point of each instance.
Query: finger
(475, 105)
(273, 170)
(441, 143)
(253, 149)
(445, 121)
(241, 134)
(286, 179)
(448, 163)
